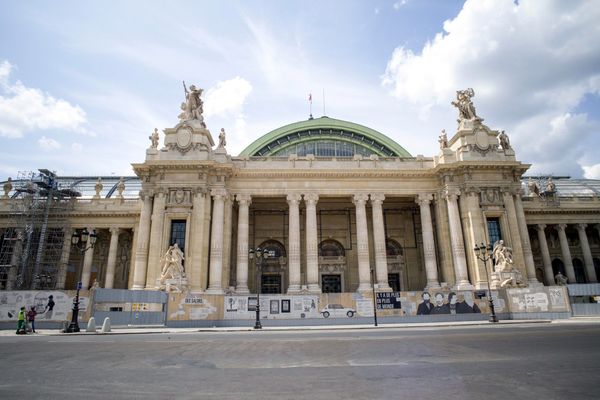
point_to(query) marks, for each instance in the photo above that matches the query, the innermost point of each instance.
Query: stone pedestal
(177, 285)
(506, 279)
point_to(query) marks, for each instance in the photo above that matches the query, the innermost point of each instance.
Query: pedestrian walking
(31, 318)
(21, 322)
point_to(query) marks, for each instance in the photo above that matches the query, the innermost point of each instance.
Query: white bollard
(106, 325)
(91, 325)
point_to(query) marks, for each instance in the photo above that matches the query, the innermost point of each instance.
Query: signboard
(388, 301)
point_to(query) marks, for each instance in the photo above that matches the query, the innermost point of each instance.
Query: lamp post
(259, 255)
(374, 298)
(484, 253)
(80, 241)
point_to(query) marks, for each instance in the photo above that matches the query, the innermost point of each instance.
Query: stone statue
(95, 285)
(443, 140)
(7, 187)
(561, 280)
(504, 142)
(502, 257)
(550, 186)
(193, 105)
(172, 264)
(121, 187)
(98, 187)
(466, 109)
(154, 138)
(222, 141)
(533, 188)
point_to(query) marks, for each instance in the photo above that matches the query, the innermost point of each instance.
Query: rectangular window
(494, 230)
(331, 283)
(178, 233)
(394, 282)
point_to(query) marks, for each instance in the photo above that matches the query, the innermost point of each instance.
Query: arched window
(393, 248)
(331, 248)
(558, 265)
(275, 247)
(597, 267)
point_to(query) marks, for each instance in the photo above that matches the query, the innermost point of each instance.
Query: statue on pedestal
(502, 257)
(172, 276)
(534, 190)
(504, 142)
(7, 187)
(561, 280)
(154, 138)
(466, 109)
(120, 187)
(443, 140)
(222, 141)
(98, 187)
(193, 106)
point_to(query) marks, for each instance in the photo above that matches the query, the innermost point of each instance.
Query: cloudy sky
(83, 84)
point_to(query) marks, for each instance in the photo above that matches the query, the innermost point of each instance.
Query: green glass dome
(324, 137)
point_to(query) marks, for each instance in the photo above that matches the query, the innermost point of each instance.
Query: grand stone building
(339, 207)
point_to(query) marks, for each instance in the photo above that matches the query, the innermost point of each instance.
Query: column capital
(243, 199)
(377, 198)
(199, 191)
(146, 194)
(581, 227)
(360, 198)
(472, 191)
(541, 227)
(451, 194)
(293, 198)
(424, 199)
(311, 198)
(114, 230)
(218, 193)
(561, 227)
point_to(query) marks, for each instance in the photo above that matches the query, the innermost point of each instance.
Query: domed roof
(324, 137)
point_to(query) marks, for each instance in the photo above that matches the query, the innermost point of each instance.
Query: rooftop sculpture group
(192, 108)
(466, 109)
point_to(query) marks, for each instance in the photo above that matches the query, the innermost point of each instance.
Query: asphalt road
(538, 361)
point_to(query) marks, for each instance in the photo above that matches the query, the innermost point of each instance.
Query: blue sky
(83, 84)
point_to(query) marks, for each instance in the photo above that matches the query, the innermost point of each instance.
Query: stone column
(227, 236)
(566, 252)
(14, 260)
(362, 242)
(541, 232)
(64, 259)
(515, 235)
(587, 254)
(312, 245)
(142, 243)
(293, 200)
(216, 245)
(381, 268)
(244, 201)
(195, 246)
(475, 237)
(109, 280)
(458, 247)
(527, 253)
(431, 271)
(86, 273)
(134, 235)
(155, 252)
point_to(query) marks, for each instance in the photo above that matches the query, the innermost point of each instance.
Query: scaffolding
(36, 221)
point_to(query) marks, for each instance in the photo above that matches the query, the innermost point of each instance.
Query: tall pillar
(527, 253)
(86, 273)
(61, 277)
(476, 236)
(541, 233)
(312, 245)
(244, 201)
(362, 242)
(431, 271)
(515, 235)
(142, 243)
(566, 252)
(443, 234)
(381, 268)
(134, 232)
(109, 279)
(195, 248)
(458, 247)
(216, 245)
(156, 240)
(227, 233)
(14, 260)
(587, 254)
(293, 200)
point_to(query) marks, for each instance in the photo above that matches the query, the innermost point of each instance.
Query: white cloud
(227, 97)
(399, 4)
(24, 109)
(48, 144)
(530, 64)
(76, 147)
(591, 171)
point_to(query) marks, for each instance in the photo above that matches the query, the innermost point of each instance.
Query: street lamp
(80, 241)
(259, 255)
(484, 253)
(374, 298)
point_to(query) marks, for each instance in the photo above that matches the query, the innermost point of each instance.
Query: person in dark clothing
(49, 307)
(425, 307)
(31, 318)
(440, 307)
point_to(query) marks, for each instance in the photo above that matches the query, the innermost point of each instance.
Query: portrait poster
(274, 307)
(285, 306)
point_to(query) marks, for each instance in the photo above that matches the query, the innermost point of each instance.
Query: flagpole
(310, 106)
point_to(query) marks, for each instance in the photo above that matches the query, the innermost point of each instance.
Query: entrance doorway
(331, 283)
(394, 282)
(270, 284)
